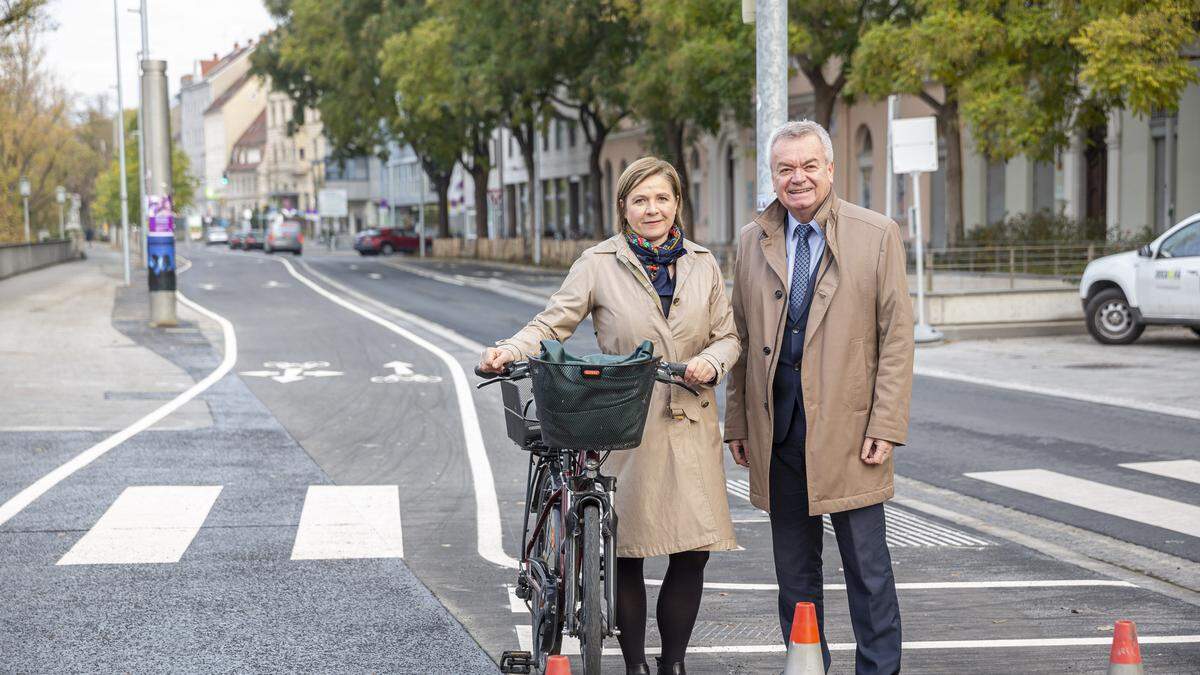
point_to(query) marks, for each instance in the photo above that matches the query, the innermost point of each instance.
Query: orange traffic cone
(1125, 657)
(558, 665)
(804, 646)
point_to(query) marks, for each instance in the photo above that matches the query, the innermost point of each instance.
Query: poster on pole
(332, 203)
(914, 145)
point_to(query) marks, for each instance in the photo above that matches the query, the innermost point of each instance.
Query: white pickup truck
(1156, 284)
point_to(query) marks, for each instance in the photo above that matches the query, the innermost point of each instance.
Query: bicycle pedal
(516, 662)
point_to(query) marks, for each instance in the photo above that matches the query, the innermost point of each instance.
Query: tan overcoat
(856, 373)
(670, 489)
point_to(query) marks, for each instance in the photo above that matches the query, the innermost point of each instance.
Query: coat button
(675, 301)
(704, 404)
(766, 351)
(765, 406)
(778, 294)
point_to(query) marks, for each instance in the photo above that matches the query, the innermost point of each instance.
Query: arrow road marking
(404, 373)
(292, 372)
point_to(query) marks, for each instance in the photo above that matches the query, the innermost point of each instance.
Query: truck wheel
(1196, 331)
(1110, 320)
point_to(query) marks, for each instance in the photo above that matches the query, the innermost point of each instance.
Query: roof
(255, 136)
(209, 65)
(229, 93)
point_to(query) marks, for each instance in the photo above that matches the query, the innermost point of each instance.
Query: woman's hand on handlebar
(699, 372)
(495, 360)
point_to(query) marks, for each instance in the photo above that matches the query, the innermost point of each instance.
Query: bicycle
(567, 573)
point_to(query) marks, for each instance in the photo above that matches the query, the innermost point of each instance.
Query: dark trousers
(798, 538)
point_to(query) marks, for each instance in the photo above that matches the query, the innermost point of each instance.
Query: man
(820, 395)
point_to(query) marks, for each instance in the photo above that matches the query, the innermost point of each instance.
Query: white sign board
(332, 204)
(914, 145)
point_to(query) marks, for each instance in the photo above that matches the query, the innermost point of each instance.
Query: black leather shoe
(670, 668)
(639, 669)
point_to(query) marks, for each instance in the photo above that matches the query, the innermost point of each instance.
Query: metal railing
(1062, 260)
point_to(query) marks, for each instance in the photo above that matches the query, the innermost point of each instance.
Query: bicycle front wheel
(591, 627)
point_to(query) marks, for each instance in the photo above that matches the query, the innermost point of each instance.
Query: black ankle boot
(670, 668)
(639, 669)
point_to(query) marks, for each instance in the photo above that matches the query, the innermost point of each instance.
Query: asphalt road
(972, 601)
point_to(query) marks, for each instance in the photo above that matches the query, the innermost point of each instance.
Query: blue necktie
(799, 273)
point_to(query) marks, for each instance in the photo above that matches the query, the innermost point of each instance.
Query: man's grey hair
(799, 129)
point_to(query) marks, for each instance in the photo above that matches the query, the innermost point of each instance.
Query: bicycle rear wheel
(591, 617)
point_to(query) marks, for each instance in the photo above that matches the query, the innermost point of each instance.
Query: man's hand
(875, 450)
(737, 448)
(494, 360)
(699, 372)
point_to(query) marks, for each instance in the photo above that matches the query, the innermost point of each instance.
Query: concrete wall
(1187, 196)
(18, 258)
(1002, 306)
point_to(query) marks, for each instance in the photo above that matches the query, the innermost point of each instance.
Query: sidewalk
(68, 368)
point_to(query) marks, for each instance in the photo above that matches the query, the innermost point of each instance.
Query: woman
(648, 282)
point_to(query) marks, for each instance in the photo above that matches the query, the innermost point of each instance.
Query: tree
(697, 70)
(15, 14)
(38, 140)
(822, 37)
(107, 204)
(1024, 76)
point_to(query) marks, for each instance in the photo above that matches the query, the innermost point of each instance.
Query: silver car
(284, 235)
(215, 235)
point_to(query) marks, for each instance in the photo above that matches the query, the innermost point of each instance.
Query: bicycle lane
(971, 600)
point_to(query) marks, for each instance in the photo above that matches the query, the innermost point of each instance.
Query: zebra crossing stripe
(349, 521)
(904, 529)
(146, 524)
(1181, 469)
(1114, 501)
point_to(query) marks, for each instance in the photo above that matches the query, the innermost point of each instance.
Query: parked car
(387, 240)
(253, 239)
(1158, 284)
(216, 235)
(236, 238)
(284, 235)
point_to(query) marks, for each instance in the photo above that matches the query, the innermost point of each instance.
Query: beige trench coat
(856, 374)
(671, 489)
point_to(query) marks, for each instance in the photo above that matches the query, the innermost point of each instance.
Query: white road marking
(25, 497)
(1060, 393)
(349, 521)
(292, 372)
(275, 284)
(208, 287)
(146, 524)
(487, 505)
(930, 585)
(903, 529)
(525, 639)
(375, 275)
(404, 373)
(1182, 469)
(515, 604)
(1114, 501)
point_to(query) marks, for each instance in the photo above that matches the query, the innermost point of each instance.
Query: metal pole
(889, 188)
(119, 120)
(27, 236)
(421, 214)
(924, 332)
(771, 74)
(160, 217)
(536, 191)
(62, 224)
(142, 192)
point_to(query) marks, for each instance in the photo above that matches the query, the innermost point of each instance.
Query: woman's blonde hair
(638, 171)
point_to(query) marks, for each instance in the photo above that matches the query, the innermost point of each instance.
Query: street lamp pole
(771, 73)
(118, 119)
(142, 193)
(60, 195)
(25, 190)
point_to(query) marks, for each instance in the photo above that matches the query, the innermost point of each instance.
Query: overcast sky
(80, 50)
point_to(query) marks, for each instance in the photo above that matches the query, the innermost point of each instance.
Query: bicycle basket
(585, 405)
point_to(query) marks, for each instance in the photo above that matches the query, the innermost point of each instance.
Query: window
(571, 134)
(301, 153)
(1183, 244)
(558, 133)
(995, 192)
(545, 140)
(866, 164)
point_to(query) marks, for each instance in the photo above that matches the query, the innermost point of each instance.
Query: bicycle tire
(547, 552)
(591, 627)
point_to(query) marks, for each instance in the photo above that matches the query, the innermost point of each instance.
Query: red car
(387, 240)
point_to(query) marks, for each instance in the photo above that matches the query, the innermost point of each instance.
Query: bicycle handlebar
(667, 373)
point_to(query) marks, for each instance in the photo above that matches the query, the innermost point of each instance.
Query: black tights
(678, 604)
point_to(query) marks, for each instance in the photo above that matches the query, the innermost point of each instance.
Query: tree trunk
(824, 95)
(479, 174)
(677, 149)
(596, 178)
(441, 183)
(526, 135)
(948, 124)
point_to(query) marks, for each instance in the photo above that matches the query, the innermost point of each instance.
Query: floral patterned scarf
(655, 259)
